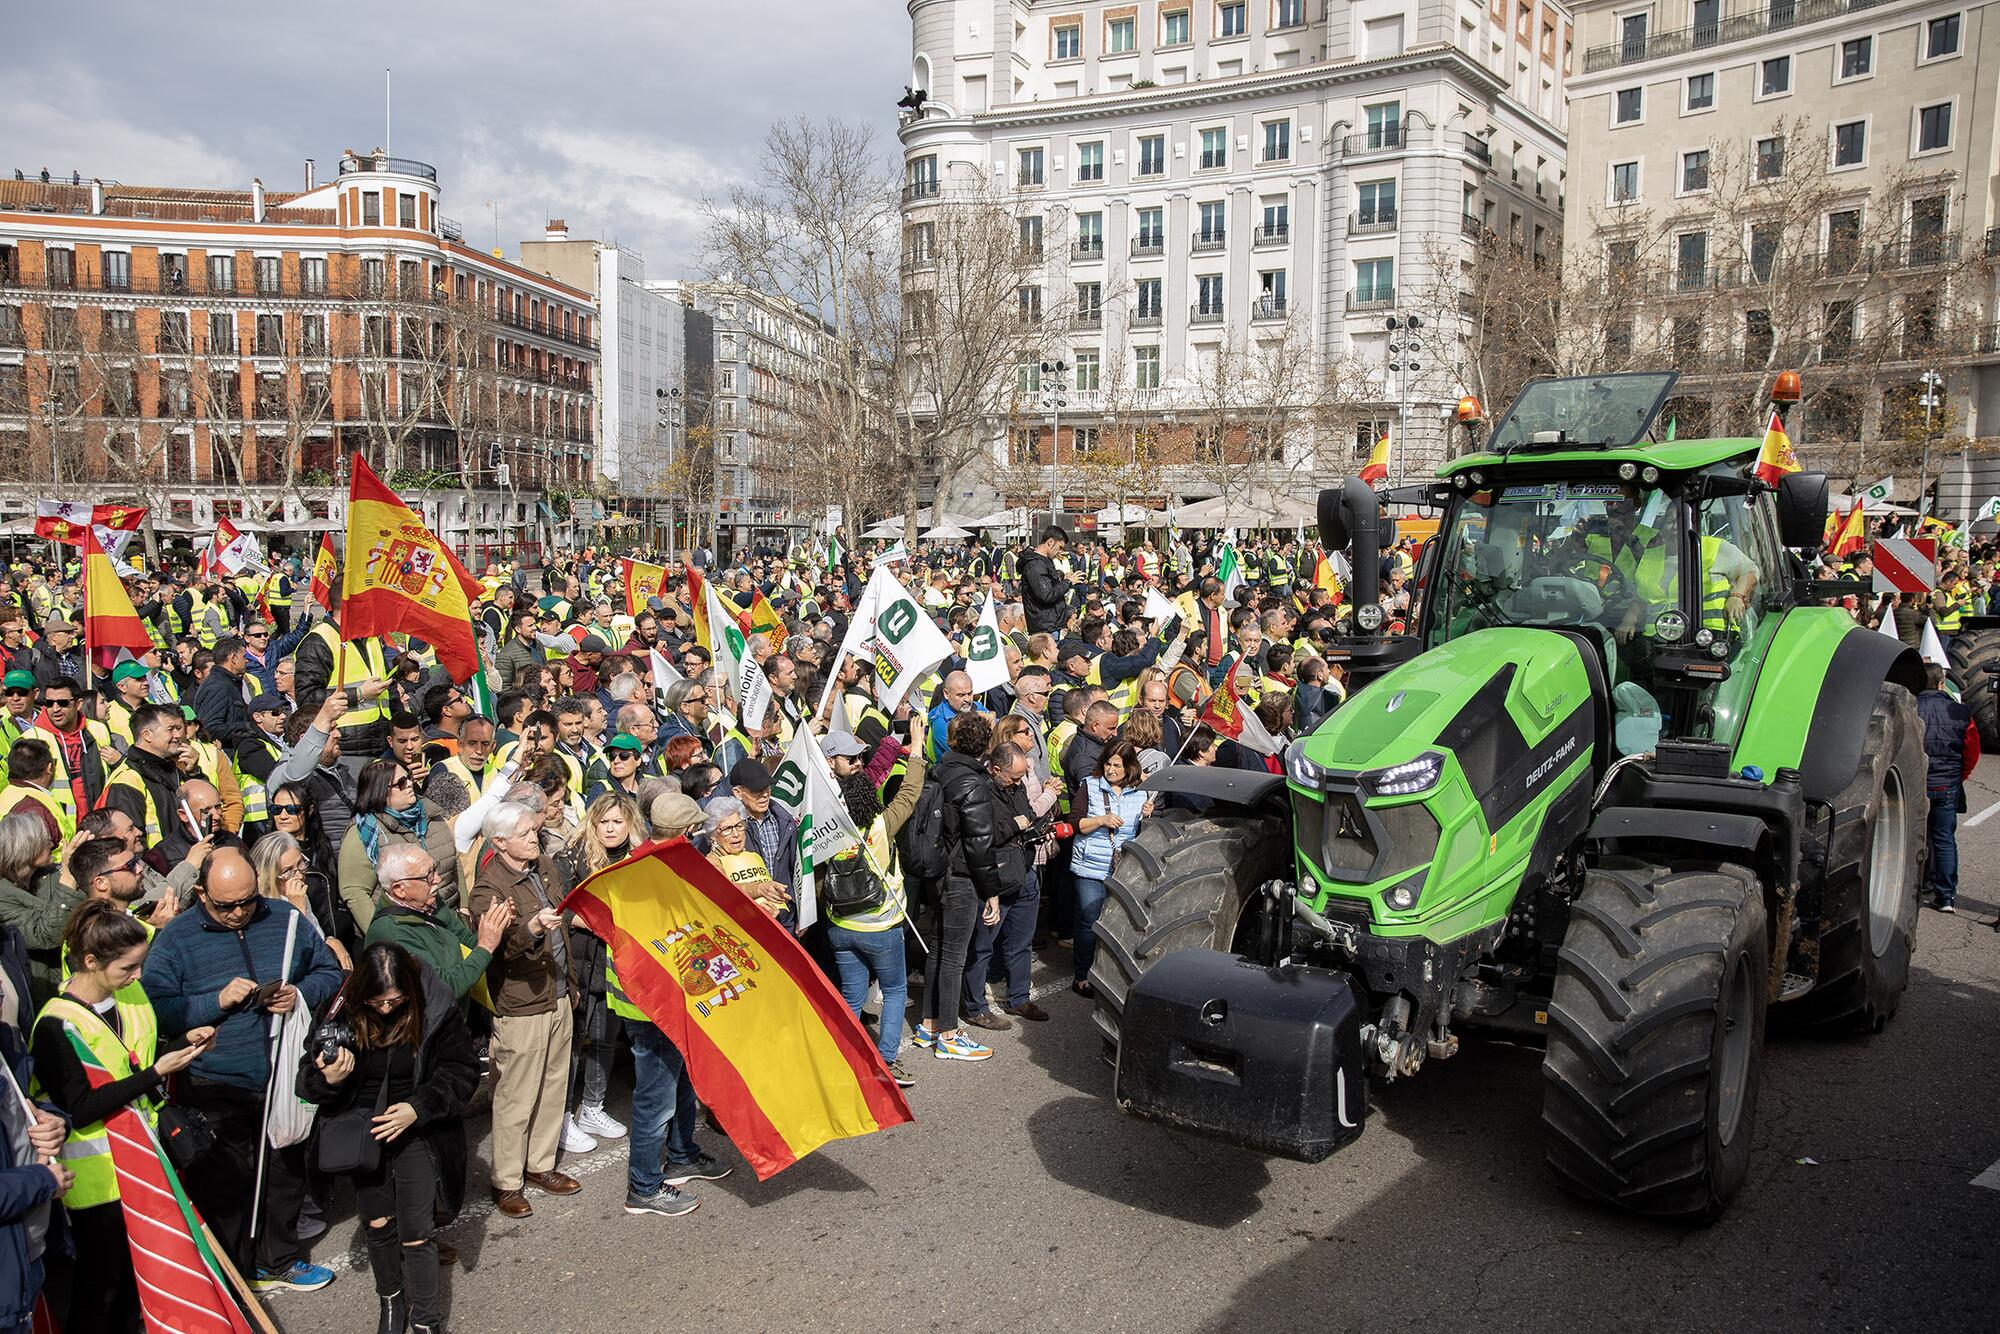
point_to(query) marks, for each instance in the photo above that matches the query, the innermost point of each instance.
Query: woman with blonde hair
(612, 827)
(282, 871)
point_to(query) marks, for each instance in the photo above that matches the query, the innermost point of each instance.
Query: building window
(221, 332)
(1770, 158)
(222, 273)
(406, 210)
(1232, 18)
(1382, 37)
(1089, 234)
(1208, 294)
(1691, 260)
(1289, 14)
(1270, 293)
(1277, 223)
(312, 335)
(1934, 128)
(1375, 281)
(1277, 141)
(1146, 367)
(372, 281)
(1153, 155)
(270, 335)
(1028, 166)
(1843, 240)
(1701, 92)
(264, 274)
(173, 331)
(1152, 228)
(1385, 125)
(1941, 37)
(1030, 297)
(1624, 182)
(1686, 335)
(1090, 162)
(119, 333)
(1632, 37)
(923, 183)
(1121, 36)
(1630, 106)
(1149, 298)
(1089, 302)
(1213, 225)
(1857, 58)
(1775, 77)
(1028, 378)
(1376, 201)
(1068, 43)
(1088, 370)
(61, 266)
(1837, 340)
(1694, 170)
(1174, 31)
(1031, 236)
(1850, 143)
(371, 209)
(1927, 229)
(1765, 238)
(1214, 149)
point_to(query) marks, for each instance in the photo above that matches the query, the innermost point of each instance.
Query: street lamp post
(1055, 391)
(1932, 399)
(1403, 361)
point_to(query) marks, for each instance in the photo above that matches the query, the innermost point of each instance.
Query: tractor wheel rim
(1888, 865)
(1733, 1060)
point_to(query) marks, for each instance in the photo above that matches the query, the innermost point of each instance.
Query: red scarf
(72, 754)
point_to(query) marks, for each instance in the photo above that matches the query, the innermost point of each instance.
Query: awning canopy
(1259, 507)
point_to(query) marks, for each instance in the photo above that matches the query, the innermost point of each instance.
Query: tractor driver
(1644, 559)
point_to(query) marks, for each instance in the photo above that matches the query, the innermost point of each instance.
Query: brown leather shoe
(1027, 1010)
(512, 1203)
(988, 1019)
(553, 1183)
(446, 1252)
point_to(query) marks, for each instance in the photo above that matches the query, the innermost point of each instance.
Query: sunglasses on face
(222, 909)
(286, 808)
(402, 781)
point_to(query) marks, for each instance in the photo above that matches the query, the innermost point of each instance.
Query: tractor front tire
(1873, 879)
(1181, 883)
(1969, 654)
(1656, 1037)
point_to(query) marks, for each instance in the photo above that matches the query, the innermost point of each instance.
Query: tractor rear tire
(1970, 653)
(1181, 883)
(1874, 877)
(1656, 1037)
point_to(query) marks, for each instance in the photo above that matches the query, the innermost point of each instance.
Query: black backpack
(921, 847)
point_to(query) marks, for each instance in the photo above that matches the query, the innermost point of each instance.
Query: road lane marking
(1981, 817)
(1989, 1179)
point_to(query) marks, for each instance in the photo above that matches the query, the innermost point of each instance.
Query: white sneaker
(596, 1121)
(574, 1140)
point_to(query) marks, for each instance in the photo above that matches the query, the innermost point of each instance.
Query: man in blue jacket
(223, 964)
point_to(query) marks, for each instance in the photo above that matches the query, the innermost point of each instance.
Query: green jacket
(440, 938)
(39, 915)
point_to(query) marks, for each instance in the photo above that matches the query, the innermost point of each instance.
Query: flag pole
(246, 1298)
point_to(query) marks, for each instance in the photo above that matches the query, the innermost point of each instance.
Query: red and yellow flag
(1324, 577)
(643, 582)
(400, 577)
(764, 620)
(1377, 467)
(772, 1049)
(698, 608)
(325, 573)
(1853, 533)
(109, 621)
(1776, 458)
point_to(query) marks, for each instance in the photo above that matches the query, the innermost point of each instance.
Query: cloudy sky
(618, 117)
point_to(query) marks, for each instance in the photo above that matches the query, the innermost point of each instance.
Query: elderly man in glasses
(409, 916)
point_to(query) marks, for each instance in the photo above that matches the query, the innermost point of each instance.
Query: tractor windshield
(1604, 554)
(1598, 411)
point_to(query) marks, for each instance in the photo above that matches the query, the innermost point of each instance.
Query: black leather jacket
(971, 823)
(1044, 594)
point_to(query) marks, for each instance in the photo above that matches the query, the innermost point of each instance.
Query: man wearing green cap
(17, 712)
(128, 692)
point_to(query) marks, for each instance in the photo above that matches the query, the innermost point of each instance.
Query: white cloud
(60, 117)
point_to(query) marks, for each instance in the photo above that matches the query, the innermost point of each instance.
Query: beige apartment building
(1808, 181)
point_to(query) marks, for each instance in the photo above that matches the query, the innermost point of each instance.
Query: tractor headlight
(1302, 770)
(1627, 471)
(1369, 616)
(1649, 475)
(1704, 637)
(1403, 780)
(1403, 897)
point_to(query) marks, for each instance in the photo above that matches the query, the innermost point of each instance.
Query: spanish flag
(1776, 458)
(1324, 577)
(698, 607)
(399, 577)
(764, 620)
(109, 622)
(1377, 467)
(1853, 533)
(325, 573)
(642, 582)
(1231, 715)
(772, 1049)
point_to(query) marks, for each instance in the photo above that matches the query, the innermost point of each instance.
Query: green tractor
(1626, 790)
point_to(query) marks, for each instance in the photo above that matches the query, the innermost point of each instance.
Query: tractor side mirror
(1332, 520)
(1388, 538)
(1802, 509)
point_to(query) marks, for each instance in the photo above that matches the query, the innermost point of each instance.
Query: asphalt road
(1020, 1200)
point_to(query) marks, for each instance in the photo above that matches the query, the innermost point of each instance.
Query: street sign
(1905, 564)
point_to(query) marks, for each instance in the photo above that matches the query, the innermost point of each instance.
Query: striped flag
(770, 1046)
(181, 1286)
(325, 573)
(1776, 458)
(1230, 572)
(110, 623)
(1377, 467)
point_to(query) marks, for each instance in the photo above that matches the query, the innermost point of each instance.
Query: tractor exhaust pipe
(1350, 520)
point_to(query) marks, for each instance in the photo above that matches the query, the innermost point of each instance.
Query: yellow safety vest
(126, 776)
(1958, 604)
(87, 1151)
(255, 798)
(880, 853)
(65, 821)
(59, 781)
(1647, 575)
(351, 666)
(462, 771)
(118, 721)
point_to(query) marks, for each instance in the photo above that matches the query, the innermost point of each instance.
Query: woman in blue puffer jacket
(1109, 809)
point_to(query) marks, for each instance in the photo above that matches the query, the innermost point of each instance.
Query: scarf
(411, 822)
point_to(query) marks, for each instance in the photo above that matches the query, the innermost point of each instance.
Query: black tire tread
(1969, 654)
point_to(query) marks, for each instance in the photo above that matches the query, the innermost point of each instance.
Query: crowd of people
(258, 854)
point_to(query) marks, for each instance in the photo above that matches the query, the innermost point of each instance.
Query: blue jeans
(1000, 953)
(862, 954)
(1944, 843)
(657, 1080)
(1089, 905)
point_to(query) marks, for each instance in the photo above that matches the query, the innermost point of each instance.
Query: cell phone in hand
(261, 997)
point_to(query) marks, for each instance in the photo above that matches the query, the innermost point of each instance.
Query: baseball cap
(750, 774)
(1073, 648)
(18, 679)
(625, 741)
(127, 671)
(270, 702)
(592, 644)
(841, 743)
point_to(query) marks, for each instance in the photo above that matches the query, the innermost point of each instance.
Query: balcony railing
(918, 190)
(1207, 242)
(1088, 319)
(1379, 139)
(1277, 233)
(1268, 308)
(917, 261)
(383, 162)
(1369, 222)
(1201, 314)
(1479, 148)
(1370, 300)
(1776, 16)
(1092, 248)
(1992, 242)
(1145, 245)
(1471, 226)
(1147, 320)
